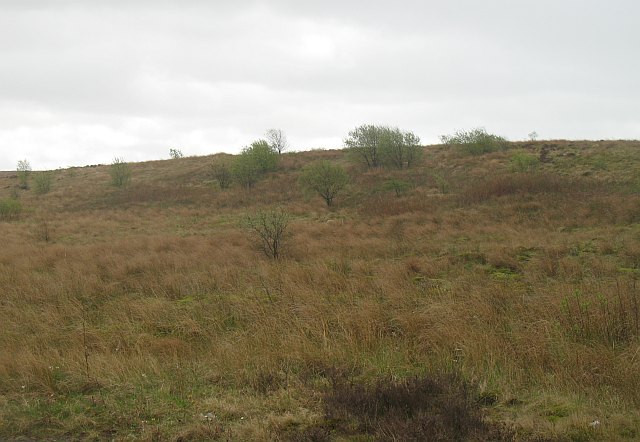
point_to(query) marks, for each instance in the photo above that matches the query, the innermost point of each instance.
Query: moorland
(467, 297)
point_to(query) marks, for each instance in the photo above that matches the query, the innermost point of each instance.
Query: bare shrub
(277, 140)
(269, 229)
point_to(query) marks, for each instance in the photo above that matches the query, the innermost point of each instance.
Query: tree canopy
(384, 146)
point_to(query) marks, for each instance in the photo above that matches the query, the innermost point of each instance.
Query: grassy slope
(149, 307)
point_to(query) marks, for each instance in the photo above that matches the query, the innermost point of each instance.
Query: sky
(84, 81)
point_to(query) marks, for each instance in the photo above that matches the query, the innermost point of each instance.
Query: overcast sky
(83, 81)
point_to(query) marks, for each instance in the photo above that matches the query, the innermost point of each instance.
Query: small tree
(24, 170)
(364, 143)
(269, 229)
(277, 140)
(413, 150)
(120, 172)
(398, 148)
(384, 145)
(43, 182)
(222, 173)
(175, 153)
(325, 179)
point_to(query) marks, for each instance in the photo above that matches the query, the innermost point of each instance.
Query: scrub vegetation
(482, 295)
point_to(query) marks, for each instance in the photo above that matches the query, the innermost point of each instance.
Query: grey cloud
(133, 78)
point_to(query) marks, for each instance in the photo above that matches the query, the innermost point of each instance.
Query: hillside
(480, 303)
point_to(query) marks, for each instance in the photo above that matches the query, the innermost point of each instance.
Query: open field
(480, 304)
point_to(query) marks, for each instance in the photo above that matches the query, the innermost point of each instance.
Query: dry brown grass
(148, 308)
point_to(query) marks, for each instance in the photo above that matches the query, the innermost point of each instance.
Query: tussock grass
(148, 313)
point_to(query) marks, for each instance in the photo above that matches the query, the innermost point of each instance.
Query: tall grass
(149, 314)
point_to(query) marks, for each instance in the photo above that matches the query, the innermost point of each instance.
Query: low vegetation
(42, 182)
(120, 172)
(462, 298)
(399, 187)
(10, 209)
(524, 162)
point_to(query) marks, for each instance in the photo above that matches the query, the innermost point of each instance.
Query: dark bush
(439, 408)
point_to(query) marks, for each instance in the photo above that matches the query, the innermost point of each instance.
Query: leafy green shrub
(523, 162)
(120, 172)
(10, 209)
(265, 157)
(325, 179)
(399, 149)
(269, 230)
(383, 146)
(364, 143)
(42, 181)
(475, 141)
(253, 161)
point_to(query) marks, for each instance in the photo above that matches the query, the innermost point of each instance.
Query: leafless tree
(269, 228)
(277, 140)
